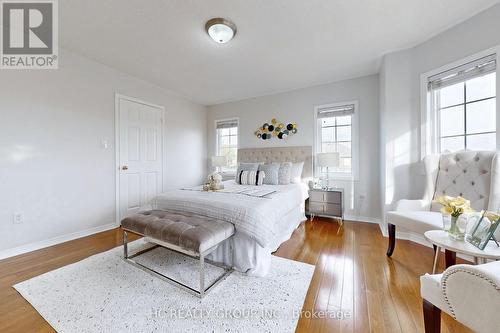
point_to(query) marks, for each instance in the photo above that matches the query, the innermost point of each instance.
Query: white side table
(441, 240)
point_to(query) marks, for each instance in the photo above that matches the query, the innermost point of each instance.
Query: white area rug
(103, 293)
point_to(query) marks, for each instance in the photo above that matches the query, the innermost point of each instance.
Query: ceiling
(280, 44)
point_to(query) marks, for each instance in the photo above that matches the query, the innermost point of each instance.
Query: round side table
(441, 240)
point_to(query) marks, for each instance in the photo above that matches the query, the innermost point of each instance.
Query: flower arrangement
(454, 206)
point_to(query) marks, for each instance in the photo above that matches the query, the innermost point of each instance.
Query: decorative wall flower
(276, 129)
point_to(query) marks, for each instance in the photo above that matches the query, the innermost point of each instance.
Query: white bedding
(256, 217)
(262, 223)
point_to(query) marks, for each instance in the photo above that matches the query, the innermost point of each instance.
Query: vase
(457, 227)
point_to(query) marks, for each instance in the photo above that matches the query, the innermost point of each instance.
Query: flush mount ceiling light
(220, 30)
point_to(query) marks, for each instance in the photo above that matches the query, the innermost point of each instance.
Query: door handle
(124, 167)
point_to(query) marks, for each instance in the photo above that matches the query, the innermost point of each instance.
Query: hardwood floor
(352, 274)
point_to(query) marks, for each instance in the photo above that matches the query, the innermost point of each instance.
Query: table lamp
(218, 162)
(328, 160)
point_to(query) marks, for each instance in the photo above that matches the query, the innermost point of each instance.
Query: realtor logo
(29, 34)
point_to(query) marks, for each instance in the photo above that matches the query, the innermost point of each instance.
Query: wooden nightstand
(326, 203)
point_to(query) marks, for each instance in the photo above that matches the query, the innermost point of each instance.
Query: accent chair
(469, 294)
(474, 175)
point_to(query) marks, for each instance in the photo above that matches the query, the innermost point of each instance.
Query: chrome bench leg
(125, 241)
(202, 275)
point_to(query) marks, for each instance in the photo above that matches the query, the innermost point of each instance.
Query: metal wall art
(276, 129)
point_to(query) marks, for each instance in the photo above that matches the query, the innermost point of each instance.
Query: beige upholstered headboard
(279, 154)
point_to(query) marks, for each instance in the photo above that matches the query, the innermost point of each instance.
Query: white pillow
(245, 167)
(285, 173)
(296, 172)
(252, 177)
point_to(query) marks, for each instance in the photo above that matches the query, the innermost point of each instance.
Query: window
(463, 100)
(335, 133)
(227, 142)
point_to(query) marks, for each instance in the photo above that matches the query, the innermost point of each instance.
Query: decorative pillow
(251, 178)
(245, 167)
(296, 172)
(284, 173)
(272, 171)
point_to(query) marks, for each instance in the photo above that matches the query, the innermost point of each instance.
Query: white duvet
(257, 217)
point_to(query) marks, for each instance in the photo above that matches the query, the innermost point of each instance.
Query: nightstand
(326, 203)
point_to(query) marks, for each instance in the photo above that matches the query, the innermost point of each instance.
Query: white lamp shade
(331, 160)
(219, 161)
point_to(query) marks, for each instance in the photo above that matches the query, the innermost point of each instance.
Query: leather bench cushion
(417, 221)
(188, 231)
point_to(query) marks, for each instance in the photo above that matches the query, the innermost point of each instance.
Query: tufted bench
(190, 234)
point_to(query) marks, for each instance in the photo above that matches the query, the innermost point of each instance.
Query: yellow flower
(454, 206)
(446, 210)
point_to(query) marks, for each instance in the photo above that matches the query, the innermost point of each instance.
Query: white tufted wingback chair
(474, 175)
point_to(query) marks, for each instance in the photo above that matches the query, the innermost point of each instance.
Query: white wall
(52, 166)
(400, 144)
(298, 106)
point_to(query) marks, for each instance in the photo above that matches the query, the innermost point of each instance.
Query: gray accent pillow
(284, 173)
(271, 171)
(245, 167)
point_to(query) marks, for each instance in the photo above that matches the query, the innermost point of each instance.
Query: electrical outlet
(17, 218)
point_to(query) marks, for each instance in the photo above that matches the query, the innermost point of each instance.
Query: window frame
(429, 127)
(354, 174)
(230, 171)
(465, 104)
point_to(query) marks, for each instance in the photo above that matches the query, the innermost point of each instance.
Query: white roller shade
(336, 111)
(227, 123)
(464, 72)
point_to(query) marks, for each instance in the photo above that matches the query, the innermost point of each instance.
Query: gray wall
(52, 166)
(298, 106)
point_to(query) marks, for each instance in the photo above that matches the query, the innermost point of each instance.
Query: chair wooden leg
(392, 239)
(432, 317)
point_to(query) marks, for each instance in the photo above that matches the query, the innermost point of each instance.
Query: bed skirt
(247, 255)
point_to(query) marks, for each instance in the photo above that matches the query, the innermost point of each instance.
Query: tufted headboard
(279, 154)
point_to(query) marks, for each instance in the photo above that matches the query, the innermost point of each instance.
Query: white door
(140, 155)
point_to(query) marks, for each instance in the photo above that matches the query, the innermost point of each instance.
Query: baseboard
(54, 241)
(366, 219)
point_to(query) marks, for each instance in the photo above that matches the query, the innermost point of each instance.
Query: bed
(262, 223)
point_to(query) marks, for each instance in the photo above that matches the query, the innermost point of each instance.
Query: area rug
(103, 293)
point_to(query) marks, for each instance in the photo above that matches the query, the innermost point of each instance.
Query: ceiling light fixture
(220, 30)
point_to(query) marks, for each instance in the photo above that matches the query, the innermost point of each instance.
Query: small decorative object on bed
(453, 208)
(482, 230)
(214, 182)
(276, 129)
